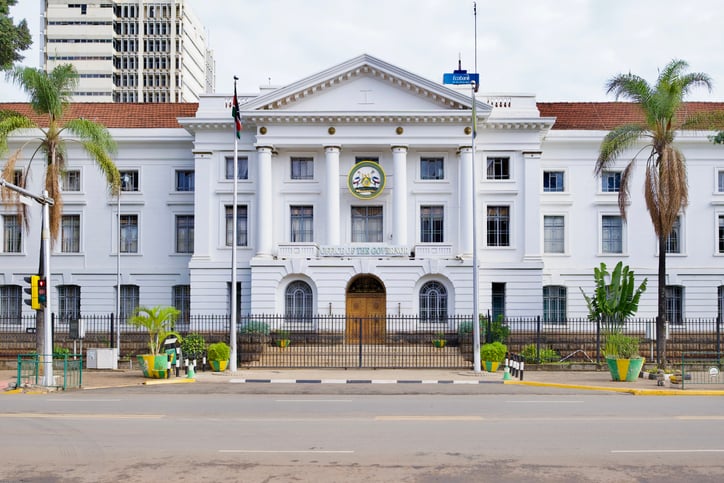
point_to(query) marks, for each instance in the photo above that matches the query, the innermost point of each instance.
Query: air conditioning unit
(99, 358)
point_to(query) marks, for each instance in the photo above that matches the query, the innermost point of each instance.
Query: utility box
(99, 358)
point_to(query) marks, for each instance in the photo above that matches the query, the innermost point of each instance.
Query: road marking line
(700, 418)
(313, 400)
(293, 451)
(544, 402)
(83, 400)
(630, 451)
(428, 418)
(81, 416)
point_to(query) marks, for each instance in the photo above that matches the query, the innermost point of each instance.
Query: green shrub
(620, 346)
(494, 352)
(255, 327)
(546, 354)
(219, 351)
(498, 330)
(59, 351)
(193, 346)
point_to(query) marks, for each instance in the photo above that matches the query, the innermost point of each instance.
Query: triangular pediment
(363, 84)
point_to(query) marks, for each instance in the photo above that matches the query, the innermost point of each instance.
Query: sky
(559, 50)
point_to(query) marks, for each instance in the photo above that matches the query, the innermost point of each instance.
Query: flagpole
(232, 335)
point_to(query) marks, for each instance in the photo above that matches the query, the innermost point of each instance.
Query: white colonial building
(356, 196)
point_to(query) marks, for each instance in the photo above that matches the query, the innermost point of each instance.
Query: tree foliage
(13, 38)
(665, 184)
(614, 298)
(158, 322)
(50, 94)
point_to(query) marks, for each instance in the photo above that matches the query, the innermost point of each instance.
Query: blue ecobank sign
(460, 77)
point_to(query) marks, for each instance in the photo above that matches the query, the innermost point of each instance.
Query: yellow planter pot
(218, 366)
(490, 366)
(627, 370)
(154, 366)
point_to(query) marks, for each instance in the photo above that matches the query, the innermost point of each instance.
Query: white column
(331, 158)
(399, 196)
(532, 216)
(465, 199)
(264, 212)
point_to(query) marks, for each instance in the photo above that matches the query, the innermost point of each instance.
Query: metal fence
(67, 371)
(383, 341)
(701, 368)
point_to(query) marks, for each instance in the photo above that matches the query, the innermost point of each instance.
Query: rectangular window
(554, 304)
(498, 300)
(611, 234)
(238, 299)
(12, 234)
(610, 181)
(70, 234)
(302, 168)
(129, 301)
(721, 233)
(182, 302)
(367, 224)
(70, 180)
(432, 168)
(673, 241)
(242, 228)
(69, 302)
(242, 167)
(498, 168)
(184, 233)
(129, 233)
(721, 182)
(302, 224)
(185, 180)
(431, 224)
(129, 180)
(10, 303)
(720, 303)
(553, 234)
(675, 304)
(553, 181)
(498, 226)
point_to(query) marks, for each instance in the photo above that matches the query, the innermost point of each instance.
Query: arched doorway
(366, 311)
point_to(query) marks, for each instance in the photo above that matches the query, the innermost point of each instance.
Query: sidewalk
(582, 380)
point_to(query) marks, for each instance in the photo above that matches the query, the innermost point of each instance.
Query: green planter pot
(439, 343)
(490, 366)
(627, 370)
(154, 367)
(218, 366)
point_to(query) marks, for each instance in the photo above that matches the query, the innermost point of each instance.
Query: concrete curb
(624, 390)
(359, 381)
(177, 380)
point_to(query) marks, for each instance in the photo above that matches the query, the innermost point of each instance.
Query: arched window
(298, 302)
(554, 304)
(433, 302)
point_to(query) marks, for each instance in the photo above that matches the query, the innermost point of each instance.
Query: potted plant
(281, 338)
(193, 346)
(218, 355)
(439, 340)
(615, 299)
(492, 354)
(622, 356)
(158, 322)
(253, 336)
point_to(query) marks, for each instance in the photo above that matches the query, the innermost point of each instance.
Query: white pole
(476, 294)
(48, 329)
(232, 335)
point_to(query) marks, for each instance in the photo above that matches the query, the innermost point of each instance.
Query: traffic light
(42, 292)
(34, 280)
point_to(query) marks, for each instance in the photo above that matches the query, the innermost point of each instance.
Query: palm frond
(629, 86)
(11, 121)
(615, 143)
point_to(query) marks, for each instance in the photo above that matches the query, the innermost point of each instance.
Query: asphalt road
(97, 436)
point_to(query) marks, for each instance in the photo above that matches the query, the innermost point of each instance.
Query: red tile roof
(606, 115)
(569, 115)
(118, 115)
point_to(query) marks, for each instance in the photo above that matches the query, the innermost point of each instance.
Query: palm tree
(50, 99)
(665, 183)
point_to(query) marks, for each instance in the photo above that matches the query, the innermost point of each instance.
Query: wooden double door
(366, 313)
